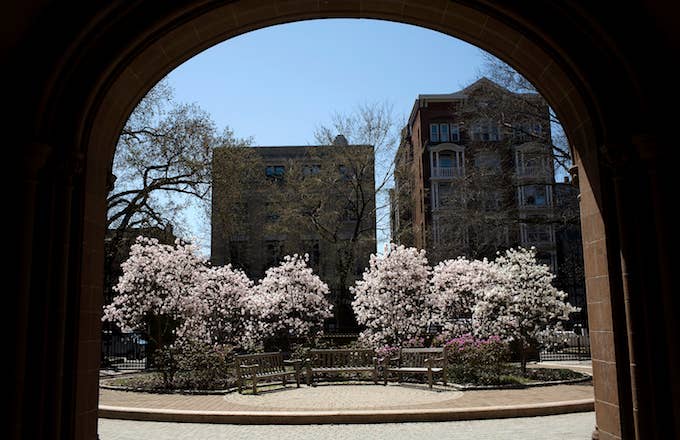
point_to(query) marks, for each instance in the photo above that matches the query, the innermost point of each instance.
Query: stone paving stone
(369, 396)
(578, 426)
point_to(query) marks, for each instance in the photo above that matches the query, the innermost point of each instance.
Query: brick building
(474, 174)
(318, 200)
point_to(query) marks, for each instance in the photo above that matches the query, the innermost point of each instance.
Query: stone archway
(121, 51)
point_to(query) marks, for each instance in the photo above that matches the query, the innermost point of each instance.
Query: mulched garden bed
(151, 382)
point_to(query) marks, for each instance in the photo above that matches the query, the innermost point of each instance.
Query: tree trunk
(523, 358)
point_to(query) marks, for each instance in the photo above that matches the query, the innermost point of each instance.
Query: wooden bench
(263, 367)
(429, 361)
(342, 361)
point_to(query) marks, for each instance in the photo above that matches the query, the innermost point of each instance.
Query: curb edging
(345, 416)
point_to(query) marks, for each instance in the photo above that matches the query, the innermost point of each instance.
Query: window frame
(434, 132)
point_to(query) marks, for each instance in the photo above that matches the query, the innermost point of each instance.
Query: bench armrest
(387, 360)
(247, 369)
(294, 362)
(430, 361)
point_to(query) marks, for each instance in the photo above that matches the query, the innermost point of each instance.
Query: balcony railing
(537, 171)
(447, 172)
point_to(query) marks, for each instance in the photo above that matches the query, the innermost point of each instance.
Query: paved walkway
(350, 403)
(350, 397)
(577, 426)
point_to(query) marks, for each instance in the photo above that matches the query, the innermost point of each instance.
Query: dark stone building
(314, 200)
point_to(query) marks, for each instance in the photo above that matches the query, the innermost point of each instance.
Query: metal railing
(124, 351)
(565, 346)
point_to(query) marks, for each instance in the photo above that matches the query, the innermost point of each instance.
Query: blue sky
(277, 84)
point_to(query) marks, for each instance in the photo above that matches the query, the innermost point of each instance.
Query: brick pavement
(351, 397)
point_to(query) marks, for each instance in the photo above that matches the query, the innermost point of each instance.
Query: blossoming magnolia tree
(391, 299)
(525, 307)
(456, 286)
(290, 301)
(155, 292)
(222, 293)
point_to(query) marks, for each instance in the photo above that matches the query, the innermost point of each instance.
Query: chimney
(340, 141)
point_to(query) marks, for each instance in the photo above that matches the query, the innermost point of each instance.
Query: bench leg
(375, 377)
(283, 379)
(297, 378)
(429, 378)
(385, 376)
(445, 377)
(254, 385)
(239, 384)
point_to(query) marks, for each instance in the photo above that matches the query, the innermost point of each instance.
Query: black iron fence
(565, 346)
(124, 351)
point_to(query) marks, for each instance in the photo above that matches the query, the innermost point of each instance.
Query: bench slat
(262, 366)
(341, 360)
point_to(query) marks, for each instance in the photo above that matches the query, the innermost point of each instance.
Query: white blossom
(289, 301)
(526, 306)
(175, 284)
(456, 286)
(391, 300)
(157, 281)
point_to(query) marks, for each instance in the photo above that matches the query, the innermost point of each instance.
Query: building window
(434, 133)
(532, 233)
(346, 172)
(527, 131)
(547, 259)
(238, 254)
(531, 163)
(272, 213)
(310, 170)
(492, 201)
(538, 196)
(455, 133)
(486, 130)
(311, 248)
(436, 231)
(275, 172)
(349, 212)
(488, 161)
(444, 132)
(274, 251)
(444, 194)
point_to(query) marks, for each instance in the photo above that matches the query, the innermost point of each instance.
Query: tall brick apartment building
(474, 174)
(317, 200)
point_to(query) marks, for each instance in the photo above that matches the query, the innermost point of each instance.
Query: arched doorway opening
(122, 53)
